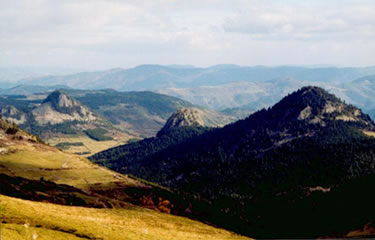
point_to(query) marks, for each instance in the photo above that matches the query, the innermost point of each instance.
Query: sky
(100, 34)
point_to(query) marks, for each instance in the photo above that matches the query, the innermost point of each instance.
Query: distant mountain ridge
(223, 87)
(25, 89)
(154, 77)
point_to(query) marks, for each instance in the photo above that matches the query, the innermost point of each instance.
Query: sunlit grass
(63, 168)
(22, 219)
(50, 221)
(89, 145)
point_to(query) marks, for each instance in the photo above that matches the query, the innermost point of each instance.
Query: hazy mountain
(361, 92)
(156, 77)
(15, 74)
(273, 160)
(30, 89)
(218, 87)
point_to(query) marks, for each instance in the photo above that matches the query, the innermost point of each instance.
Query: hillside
(61, 120)
(101, 199)
(140, 113)
(310, 139)
(86, 122)
(181, 126)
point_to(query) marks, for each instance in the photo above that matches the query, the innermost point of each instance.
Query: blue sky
(98, 34)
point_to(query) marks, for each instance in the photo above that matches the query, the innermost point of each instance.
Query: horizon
(78, 70)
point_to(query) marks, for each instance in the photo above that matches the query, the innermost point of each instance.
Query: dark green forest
(258, 171)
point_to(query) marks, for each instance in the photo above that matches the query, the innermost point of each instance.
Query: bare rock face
(59, 107)
(12, 114)
(195, 117)
(305, 113)
(185, 117)
(317, 106)
(191, 117)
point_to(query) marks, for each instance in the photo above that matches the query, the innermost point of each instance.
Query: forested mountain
(309, 141)
(180, 127)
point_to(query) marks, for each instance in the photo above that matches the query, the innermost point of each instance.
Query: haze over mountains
(230, 88)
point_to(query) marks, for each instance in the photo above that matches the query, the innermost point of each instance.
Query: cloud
(111, 33)
(354, 21)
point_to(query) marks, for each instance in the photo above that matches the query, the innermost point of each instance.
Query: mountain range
(233, 89)
(310, 149)
(300, 159)
(288, 171)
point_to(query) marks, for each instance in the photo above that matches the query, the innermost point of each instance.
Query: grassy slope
(51, 221)
(35, 161)
(90, 146)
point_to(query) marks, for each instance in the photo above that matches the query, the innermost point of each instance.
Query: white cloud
(111, 33)
(305, 22)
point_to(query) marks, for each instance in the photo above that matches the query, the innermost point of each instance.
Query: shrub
(98, 134)
(12, 130)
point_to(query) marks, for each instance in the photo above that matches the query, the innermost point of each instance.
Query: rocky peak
(58, 107)
(316, 106)
(184, 117)
(12, 114)
(59, 99)
(9, 110)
